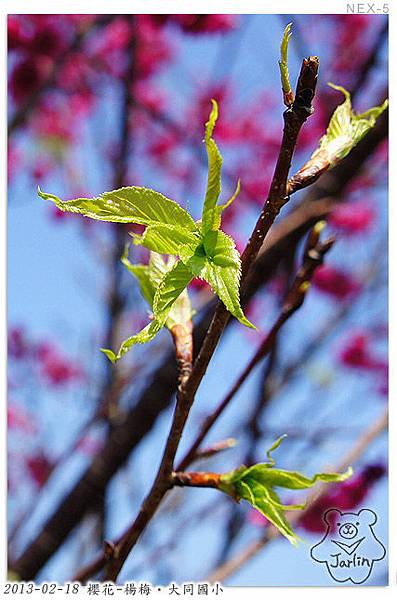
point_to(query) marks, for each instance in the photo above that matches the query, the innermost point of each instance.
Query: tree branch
(196, 479)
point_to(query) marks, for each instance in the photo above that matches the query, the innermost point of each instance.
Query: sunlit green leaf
(144, 336)
(283, 64)
(268, 505)
(163, 285)
(170, 288)
(209, 219)
(203, 250)
(256, 485)
(158, 266)
(221, 250)
(346, 128)
(167, 239)
(181, 312)
(290, 479)
(219, 208)
(222, 271)
(142, 274)
(128, 205)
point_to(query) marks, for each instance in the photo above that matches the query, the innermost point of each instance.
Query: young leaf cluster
(201, 248)
(256, 485)
(346, 128)
(151, 279)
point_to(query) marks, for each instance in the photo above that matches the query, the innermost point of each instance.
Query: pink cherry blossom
(18, 418)
(358, 352)
(39, 468)
(353, 218)
(27, 77)
(335, 282)
(56, 368)
(197, 24)
(18, 345)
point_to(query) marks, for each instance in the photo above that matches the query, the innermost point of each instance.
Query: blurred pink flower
(27, 76)
(18, 34)
(41, 169)
(150, 96)
(56, 368)
(89, 445)
(18, 345)
(46, 41)
(163, 145)
(153, 48)
(335, 282)
(39, 468)
(352, 42)
(13, 160)
(197, 24)
(256, 518)
(58, 215)
(352, 218)
(199, 284)
(53, 121)
(357, 352)
(19, 418)
(76, 73)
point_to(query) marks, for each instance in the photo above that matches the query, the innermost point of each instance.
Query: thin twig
(196, 479)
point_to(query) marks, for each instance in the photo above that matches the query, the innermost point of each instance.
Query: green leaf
(283, 64)
(291, 479)
(220, 249)
(203, 250)
(158, 267)
(209, 218)
(167, 239)
(142, 274)
(268, 505)
(218, 209)
(276, 500)
(346, 128)
(256, 485)
(144, 336)
(274, 446)
(181, 311)
(222, 271)
(170, 288)
(128, 205)
(163, 285)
